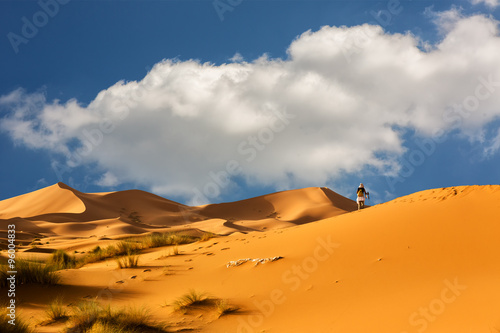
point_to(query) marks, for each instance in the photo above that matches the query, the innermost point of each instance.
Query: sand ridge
(60, 210)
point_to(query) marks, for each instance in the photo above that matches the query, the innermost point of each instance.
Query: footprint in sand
(133, 277)
(147, 270)
(121, 281)
(226, 248)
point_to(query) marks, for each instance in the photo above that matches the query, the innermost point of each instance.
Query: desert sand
(427, 262)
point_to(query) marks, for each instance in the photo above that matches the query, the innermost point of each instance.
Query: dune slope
(427, 262)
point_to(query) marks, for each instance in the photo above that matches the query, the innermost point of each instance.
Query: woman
(361, 192)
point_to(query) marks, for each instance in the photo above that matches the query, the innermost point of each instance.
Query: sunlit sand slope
(427, 262)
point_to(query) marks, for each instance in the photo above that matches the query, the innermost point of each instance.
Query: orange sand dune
(61, 203)
(427, 262)
(55, 198)
(60, 210)
(287, 208)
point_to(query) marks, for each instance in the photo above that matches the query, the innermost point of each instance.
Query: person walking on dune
(362, 195)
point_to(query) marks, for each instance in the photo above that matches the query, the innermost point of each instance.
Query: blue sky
(210, 101)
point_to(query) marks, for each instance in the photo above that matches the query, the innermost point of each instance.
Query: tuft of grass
(128, 261)
(133, 318)
(96, 249)
(206, 236)
(133, 246)
(223, 307)
(61, 260)
(163, 239)
(128, 247)
(109, 251)
(56, 310)
(85, 315)
(91, 317)
(21, 326)
(97, 254)
(30, 272)
(156, 240)
(193, 297)
(174, 251)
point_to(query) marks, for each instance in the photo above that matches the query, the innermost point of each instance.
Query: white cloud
(333, 107)
(108, 180)
(494, 145)
(237, 57)
(489, 3)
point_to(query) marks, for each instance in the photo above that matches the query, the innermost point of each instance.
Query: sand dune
(60, 210)
(427, 262)
(56, 198)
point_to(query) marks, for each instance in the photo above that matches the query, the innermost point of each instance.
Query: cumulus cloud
(108, 180)
(336, 105)
(489, 3)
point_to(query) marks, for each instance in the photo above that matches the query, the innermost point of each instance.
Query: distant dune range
(60, 210)
(426, 262)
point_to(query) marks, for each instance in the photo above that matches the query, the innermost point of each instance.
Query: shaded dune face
(60, 210)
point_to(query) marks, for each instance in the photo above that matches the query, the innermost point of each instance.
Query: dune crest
(61, 211)
(56, 198)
